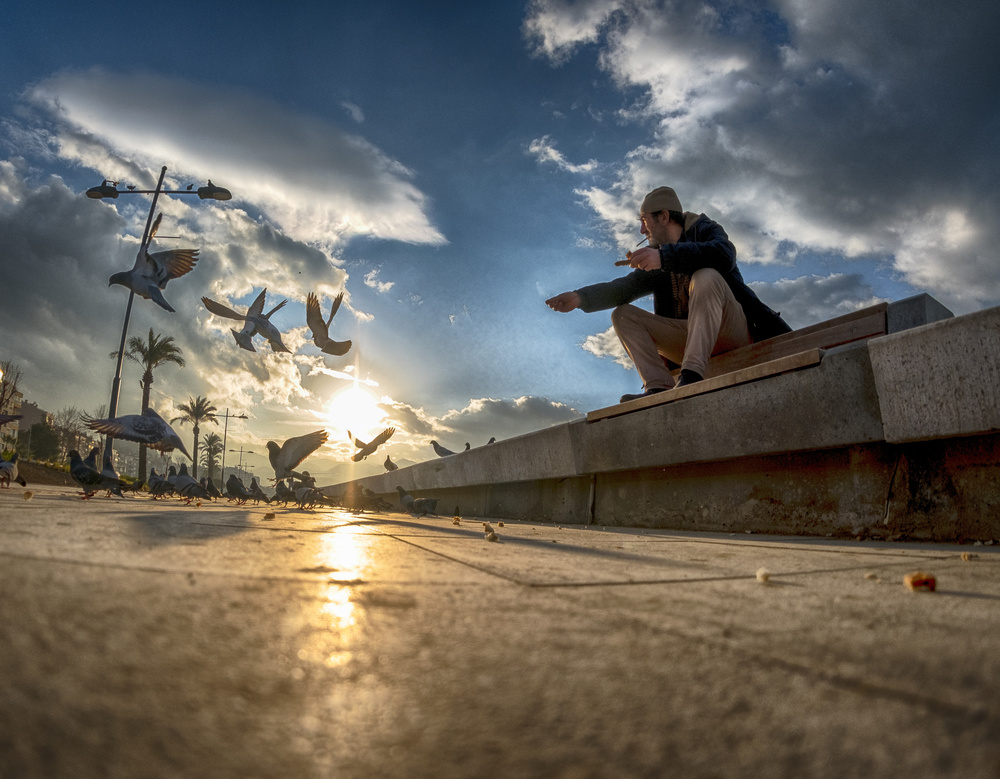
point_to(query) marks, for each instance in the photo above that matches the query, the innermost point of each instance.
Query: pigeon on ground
(390, 465)
(424, 506)
(321, 328)
(8, 472)
(111, 478)
(236, 491)
(370, 447)
(187, 486)
(135, 486)
(468, 446)
(492, 440)
(307, 497)
(5, 418)
(441, 451)
(405, 499)
(158, 485)
(87, 477)
(210, 488)
(283, 493)
(147, 428)
(151, 272)
(255, 322)
(286, 458)
(257, 494)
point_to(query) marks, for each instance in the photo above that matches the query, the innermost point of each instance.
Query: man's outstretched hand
(567, 301)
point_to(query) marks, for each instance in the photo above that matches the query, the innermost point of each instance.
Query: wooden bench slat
(833, 333)
(784, 364)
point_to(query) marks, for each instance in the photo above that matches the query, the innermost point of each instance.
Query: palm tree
(196, 411)
(211, 453)
(150, 354)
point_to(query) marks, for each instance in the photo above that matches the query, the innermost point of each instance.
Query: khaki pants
(715, 324)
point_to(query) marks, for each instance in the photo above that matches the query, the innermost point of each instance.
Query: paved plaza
(146, 638)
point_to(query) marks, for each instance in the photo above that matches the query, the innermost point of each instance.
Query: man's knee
(622, 315)
(707, 282)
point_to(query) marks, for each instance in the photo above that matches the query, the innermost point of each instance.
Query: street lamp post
(242, 451)
(225, 433)
(109, 190)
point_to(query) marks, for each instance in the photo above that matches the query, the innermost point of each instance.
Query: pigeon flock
(147, 278)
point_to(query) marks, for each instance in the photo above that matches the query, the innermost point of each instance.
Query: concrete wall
(893, 437)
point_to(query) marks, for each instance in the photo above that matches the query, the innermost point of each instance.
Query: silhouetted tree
(196, 411)
(155, 351)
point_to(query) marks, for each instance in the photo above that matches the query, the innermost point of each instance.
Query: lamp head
(212, 192)
(106, 189)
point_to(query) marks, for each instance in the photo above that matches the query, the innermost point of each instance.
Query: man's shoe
(646, 394)
(688, 377)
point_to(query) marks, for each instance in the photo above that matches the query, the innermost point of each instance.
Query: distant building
(33, 415)
(13, 406)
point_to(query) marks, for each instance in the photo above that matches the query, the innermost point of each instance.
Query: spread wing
(382, 437)
(295, 450)
(257, 307)
(220, 310)
(314, 317)
(278, 307)
(173, 264)
(147, 428)
(335, 308)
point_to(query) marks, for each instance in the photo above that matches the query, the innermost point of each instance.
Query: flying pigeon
(147, 428)
(151, 272)
(390, 465)
(255, 322)
(441, 451)
(370, 447)
(8, 472)
(321, 328)
(286, 458)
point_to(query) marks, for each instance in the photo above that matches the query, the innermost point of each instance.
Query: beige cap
(660, 199)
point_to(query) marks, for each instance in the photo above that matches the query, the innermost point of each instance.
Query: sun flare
(357, 410)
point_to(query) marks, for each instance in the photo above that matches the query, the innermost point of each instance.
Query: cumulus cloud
(556, 28)
(315, 181)
(857, 130)
(372, 280)
(607, 344)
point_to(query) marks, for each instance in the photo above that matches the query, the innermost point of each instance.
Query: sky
(449, 168)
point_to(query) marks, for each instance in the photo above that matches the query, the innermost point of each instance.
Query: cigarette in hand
(626, 261)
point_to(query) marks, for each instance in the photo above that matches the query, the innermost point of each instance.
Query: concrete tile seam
(183, 571)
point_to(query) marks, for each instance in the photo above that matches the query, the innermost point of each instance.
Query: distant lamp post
(225, 433)
(242, 451)
(109, 190)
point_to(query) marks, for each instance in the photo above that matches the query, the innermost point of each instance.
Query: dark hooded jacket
(703, 244)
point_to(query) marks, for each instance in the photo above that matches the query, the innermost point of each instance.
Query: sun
(356, 410)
